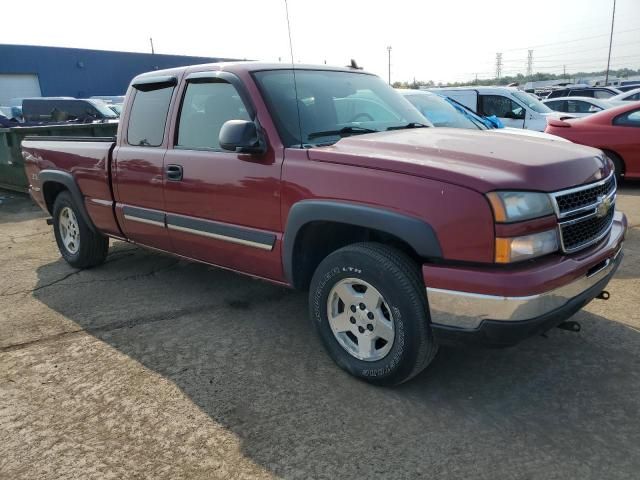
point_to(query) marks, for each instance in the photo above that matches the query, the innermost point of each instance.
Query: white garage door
(15, 85)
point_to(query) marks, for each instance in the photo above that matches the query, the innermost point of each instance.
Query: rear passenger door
(223, 207)
(511, 113)
(139, 163)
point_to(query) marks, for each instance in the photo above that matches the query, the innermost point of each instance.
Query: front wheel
(368, 304)
(80, 246)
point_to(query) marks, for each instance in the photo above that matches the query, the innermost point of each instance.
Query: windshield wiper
(409, 125)
(343, 132)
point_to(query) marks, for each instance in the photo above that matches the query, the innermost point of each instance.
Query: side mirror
(240, 136)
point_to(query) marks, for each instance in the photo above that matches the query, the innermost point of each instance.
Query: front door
(223, 207)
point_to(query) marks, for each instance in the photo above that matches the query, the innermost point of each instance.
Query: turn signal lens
(516, 249)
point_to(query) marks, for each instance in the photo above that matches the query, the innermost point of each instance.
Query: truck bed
(85, 160)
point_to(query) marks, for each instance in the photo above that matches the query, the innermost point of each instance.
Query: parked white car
(578, 106)
(446, 112)
(623, 98)
(515, 108)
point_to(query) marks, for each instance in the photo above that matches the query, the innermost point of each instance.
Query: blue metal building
(27, 71)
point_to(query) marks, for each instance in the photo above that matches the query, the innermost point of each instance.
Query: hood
(471, 158)
(529, 133)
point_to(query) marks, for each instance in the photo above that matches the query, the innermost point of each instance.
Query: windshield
(332, 104)
(442, 113)
(531, 102)
(103, 108)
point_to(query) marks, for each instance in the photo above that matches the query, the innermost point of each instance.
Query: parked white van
(515, 108)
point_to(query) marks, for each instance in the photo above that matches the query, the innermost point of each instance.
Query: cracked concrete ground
(151, 367)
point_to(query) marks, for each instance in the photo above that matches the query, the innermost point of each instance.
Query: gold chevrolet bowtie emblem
(604, 204)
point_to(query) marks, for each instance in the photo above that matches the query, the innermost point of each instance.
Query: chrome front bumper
(466, 310)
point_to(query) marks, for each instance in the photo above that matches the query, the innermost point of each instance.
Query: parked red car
(616, 131)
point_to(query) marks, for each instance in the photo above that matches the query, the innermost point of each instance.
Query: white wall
(18, 85)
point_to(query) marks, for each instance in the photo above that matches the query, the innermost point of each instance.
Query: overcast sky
(444, 40)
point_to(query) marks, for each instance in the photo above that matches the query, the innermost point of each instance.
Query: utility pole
(389, 52)
(564, 72)
(613, 18)
(151, 41)
(530, 64)
(498, 65)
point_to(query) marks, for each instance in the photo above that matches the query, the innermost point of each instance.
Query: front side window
(557, 105)
(148, 116)
(205, 108)
(629, 119)
(501, 107)
(324, 105)
(632, 98)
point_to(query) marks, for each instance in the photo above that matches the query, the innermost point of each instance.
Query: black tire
(93, 246)
(398, 280)
(618, 166)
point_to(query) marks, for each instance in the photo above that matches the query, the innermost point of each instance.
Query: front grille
(584, 232)
(574, 200)
(582, 216)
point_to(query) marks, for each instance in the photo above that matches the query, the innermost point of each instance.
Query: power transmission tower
(498, 65)
(530, 64)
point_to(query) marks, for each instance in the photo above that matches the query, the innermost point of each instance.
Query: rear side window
(148, 116)
(629, 119)
(205, 108)
(582, 93)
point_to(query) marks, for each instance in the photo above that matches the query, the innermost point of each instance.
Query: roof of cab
(247, 66)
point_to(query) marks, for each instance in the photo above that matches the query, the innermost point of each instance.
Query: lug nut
(353, 308)
(362, 306)
(361, 329)
(370, 327)
(370, 315)
(352, 320)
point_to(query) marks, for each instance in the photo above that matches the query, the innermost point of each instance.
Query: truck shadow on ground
(244, 352)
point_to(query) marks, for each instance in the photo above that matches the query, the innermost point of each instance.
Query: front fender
(415, 232)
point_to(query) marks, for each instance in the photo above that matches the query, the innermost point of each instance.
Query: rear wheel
(368, 304)
(79, 245)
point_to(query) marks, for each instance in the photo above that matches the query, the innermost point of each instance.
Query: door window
(205, 108)
(502, 107)
(148, 116)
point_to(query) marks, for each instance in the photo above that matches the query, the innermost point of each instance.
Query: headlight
(517, 206)
(526, 247)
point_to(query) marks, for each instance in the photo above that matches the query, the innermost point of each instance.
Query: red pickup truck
(326, 179)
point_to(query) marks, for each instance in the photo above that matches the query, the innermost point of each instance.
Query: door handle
(174, 172)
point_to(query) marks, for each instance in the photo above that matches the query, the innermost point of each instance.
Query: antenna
(293, 70)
